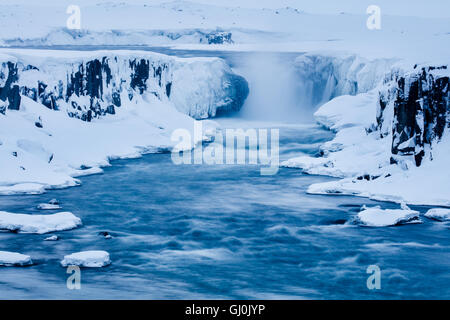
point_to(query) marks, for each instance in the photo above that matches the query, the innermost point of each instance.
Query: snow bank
(9, 259)
(48, 206)
(326, 75)
(376, 217)
(88, 259)
(439, 214)
(27, 223)
(130, 103)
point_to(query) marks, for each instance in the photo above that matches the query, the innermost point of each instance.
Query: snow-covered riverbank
(65, 114)
(392, 138)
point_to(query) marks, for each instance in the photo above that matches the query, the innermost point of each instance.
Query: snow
(293, 25)
(392, 183)
(10, 259)
(344, 64)
(358, 154)
(51, 205)
(198, 88)
(40, 224)
(52, 238)
(439, 214)
(88, 259)
(376, 217)
(352, 151)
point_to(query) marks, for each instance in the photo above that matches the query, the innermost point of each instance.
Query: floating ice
(28, 223)
(51, 238)
(88, 259)
(377, 217)
(11, 259)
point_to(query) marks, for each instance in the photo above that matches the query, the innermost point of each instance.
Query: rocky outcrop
(93, 87)
(419, 102)
(9, 91)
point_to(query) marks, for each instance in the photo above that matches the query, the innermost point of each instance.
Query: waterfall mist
(276, 91)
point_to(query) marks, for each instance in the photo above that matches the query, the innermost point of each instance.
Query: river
(225, 231)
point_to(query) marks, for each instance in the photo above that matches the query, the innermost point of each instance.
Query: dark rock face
(219, 37)
(10, 91)
(98, 86)
(421, 112)
(95, 81)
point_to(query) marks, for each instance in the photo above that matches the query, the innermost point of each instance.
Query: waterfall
(274, 89)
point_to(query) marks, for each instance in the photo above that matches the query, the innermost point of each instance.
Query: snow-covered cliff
(88, 86)
(392, 129)
(64, 113)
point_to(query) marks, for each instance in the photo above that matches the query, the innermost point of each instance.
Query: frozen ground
(87, 259)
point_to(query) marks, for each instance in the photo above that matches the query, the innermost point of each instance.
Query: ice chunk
(89, 259)
(11, 259)
(28, 223)
(377, 217)
(51, 238)
(48, 206)
(439, 214)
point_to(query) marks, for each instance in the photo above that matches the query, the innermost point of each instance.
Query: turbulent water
(199, 231)
(224, 231)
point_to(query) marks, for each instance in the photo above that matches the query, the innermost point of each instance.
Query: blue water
(199, 231)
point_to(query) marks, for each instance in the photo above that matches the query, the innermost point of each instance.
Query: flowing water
(224, 231)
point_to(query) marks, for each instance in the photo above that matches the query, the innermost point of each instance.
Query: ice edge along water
(14, 259)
